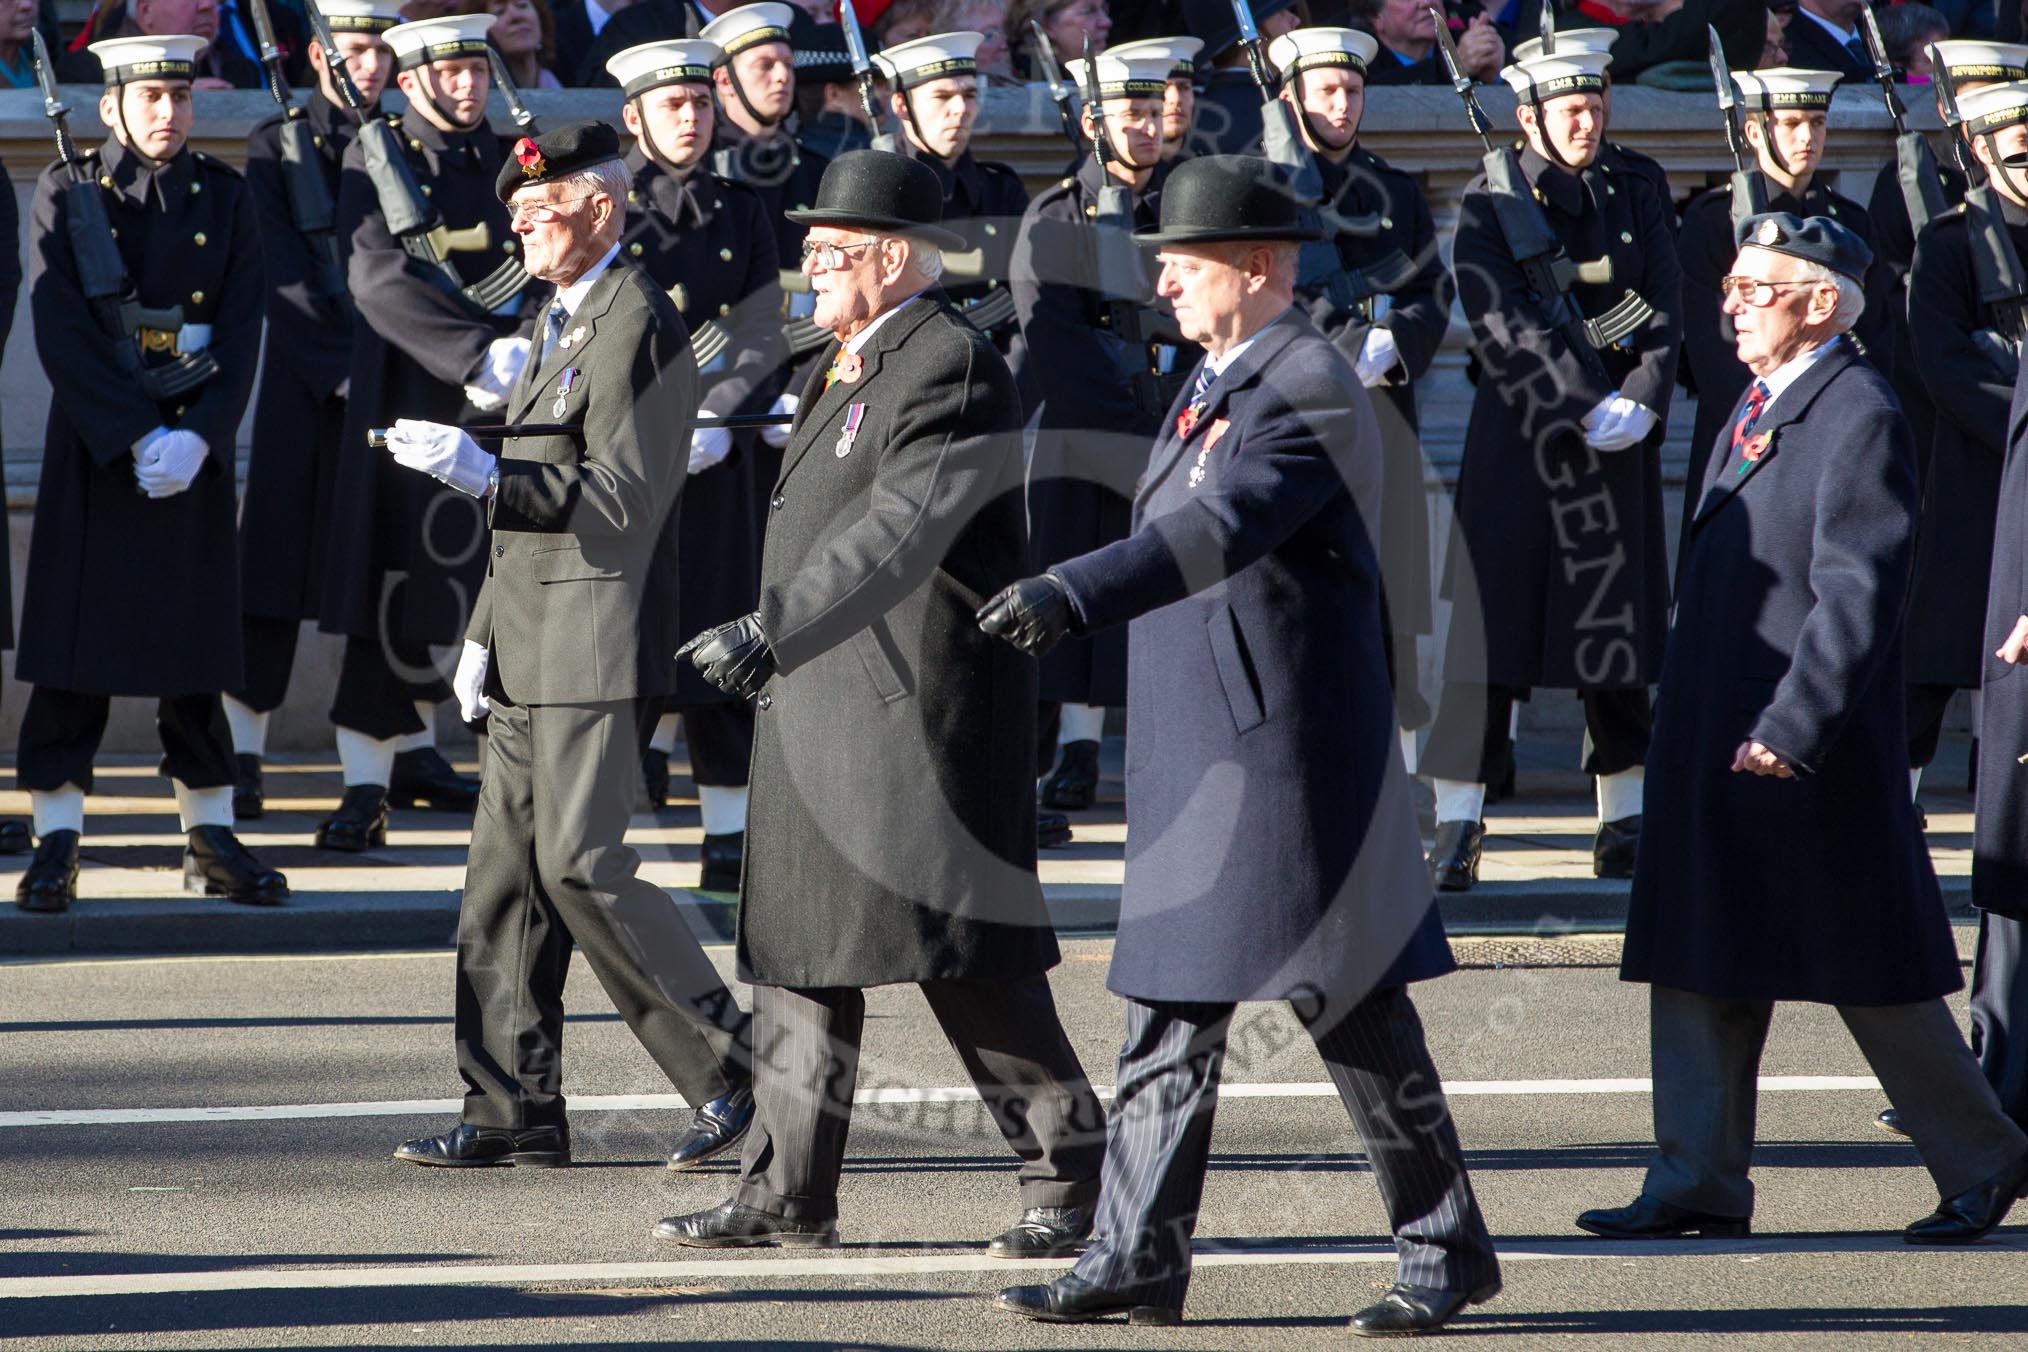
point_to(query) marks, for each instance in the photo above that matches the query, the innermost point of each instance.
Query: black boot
(1052, 830)
(722, 856)
(15, 837)
(1454, 855)
(423, 778)
(1613, 849)
(249, 795)
(216, 864)
(51, 881)
(655, 778)
(360, 822)
(1074, 783)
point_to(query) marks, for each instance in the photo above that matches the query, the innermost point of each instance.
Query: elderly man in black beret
(569, 648)
(891, 836)
(1784, 861)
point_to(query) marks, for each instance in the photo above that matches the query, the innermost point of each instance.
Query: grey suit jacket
(579, 601)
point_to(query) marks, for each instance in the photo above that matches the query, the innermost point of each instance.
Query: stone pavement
(1536, 876)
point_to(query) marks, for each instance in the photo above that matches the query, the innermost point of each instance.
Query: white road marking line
(607, 1103)
(521, 1274)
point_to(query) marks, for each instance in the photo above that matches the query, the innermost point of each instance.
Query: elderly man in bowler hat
(1785, 862)
(892, 827)
(569, 648)
(1272, 850)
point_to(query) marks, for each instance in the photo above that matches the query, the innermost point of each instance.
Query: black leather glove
(1033, 614)
(734, 657)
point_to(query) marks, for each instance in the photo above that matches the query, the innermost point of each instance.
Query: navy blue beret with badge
(1816, 238)
(556, 154)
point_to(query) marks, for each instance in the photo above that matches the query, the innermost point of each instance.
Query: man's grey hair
(610, 178)
(1851, 296)
(925, 259)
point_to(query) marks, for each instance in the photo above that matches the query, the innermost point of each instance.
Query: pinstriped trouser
(1159, 1141)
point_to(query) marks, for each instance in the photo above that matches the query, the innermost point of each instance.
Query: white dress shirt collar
(573, 295)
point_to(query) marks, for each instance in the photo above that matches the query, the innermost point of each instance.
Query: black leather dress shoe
(1072, 1300)
(1044, 1232)
(217, 865)
(1074, 783)
(1973, 1213)
(1651, 1218)
(721, 856)
(423, 778)
(1613, 849)
(1889, 1120)
(360, 823)
(15, 837)
(1408, 1310)
(249, 794)
(468, 1147)
(716, 1127)
(732, 1226)
(1052, 830)
(655, 778)
(1454, 855)
(50, 884)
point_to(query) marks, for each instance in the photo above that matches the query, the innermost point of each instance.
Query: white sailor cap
(1550, 77)
(359, 16)
(1181, 53)
(1787, 87)
(1971, 61)
(1125, 77)
(445, 39)
(654, 64)
(167, 56)
(748, 26)
(939, 56)
(1302, 49)
(1569, 41)
(1991, 107)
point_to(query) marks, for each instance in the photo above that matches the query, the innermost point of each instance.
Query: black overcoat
(2000, 825)
(984, 202)
(1271, 842)
(1416, 312)
(784, 173)
(1788, 631)
(1557, 567)
(1894, 237)
(709, 244)
(10, 291)
(1709, 355)
(1089, 433)
(407, 552)
(1954, 544)
(292, 460)
(126, 594)
(891, 834)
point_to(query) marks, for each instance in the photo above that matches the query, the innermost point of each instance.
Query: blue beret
(1817, 238)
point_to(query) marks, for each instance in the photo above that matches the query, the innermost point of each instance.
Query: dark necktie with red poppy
(1756, 400)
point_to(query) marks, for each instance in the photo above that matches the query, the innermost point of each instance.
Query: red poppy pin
(1756, 448)
(529, 156)
(1186, 422)
(848, 366)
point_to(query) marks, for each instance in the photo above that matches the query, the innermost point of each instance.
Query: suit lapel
(1169, 447)
(579, 329)
(1782, 410)
(818, 418)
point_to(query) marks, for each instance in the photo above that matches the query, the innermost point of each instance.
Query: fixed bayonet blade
(1721, 73)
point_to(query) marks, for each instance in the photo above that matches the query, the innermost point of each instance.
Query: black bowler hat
(1228, 197)
(880, 190)
(1816, 238)
(556, 154)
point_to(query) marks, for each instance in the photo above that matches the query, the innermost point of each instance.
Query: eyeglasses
(542, 213)
(1753, 291)
(831, 257)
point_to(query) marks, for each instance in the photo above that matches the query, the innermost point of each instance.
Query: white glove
(708, 445)
(494, 379)
(468, 682)
(1377, 356)
(778, 437)
(1617, 423)
(445, 453)
(169, 463)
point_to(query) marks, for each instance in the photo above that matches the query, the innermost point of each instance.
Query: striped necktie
(553, 321)
(1756, 400)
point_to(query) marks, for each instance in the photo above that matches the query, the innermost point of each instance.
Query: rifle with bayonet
(863, 73)
(411, 217)
(1996, 266)
(1119, 272)
(1749, 189)
(102, 273)
(1914, 163)
(308, 192)
(1059, 92)
(503, 80)
(1547, 271)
